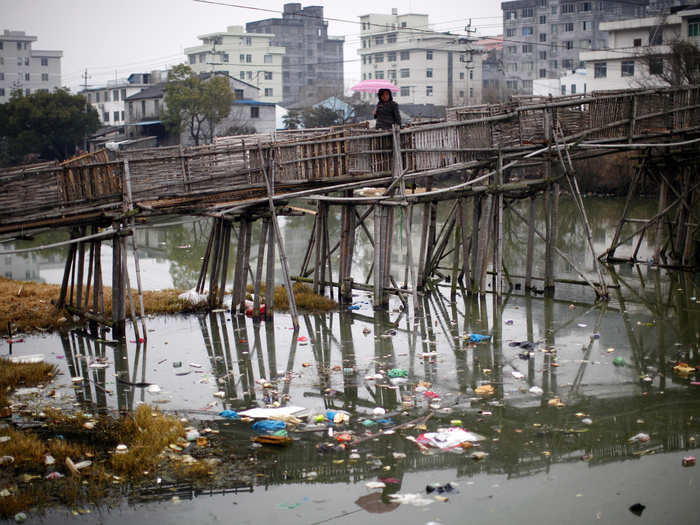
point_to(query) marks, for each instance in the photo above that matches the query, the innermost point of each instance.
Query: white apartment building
(571, 83)
(109, 100)
(26, 69)
(247, 56)
(428, 67)
(625, 65)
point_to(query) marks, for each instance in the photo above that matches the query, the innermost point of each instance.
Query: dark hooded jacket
(386, 113)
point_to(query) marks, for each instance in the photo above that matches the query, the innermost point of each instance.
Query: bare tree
(680, 67)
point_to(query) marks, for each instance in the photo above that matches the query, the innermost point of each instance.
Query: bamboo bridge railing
(230, 169)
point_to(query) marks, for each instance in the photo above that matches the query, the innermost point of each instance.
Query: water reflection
(341, 362)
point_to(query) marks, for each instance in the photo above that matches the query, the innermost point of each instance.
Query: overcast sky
(118, 37)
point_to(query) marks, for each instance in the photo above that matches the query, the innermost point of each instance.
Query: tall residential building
(247, 56)
(312, 67)
(428, 67)
(26, 69)
(642, 55)
(543, 38)
(109, 100)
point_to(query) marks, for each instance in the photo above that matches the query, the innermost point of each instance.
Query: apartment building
(248, 56)
(640, 49)
(428, 67)
(312, 66)
(110, 100)
(26, 69)
(543, 39)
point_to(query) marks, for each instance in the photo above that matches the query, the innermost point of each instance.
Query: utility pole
(87, 104)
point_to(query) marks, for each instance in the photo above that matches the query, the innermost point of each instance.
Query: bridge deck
(196, 179)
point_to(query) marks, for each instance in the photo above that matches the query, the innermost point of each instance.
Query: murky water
(609, 365)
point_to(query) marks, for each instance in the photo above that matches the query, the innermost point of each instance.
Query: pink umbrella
(373, 85)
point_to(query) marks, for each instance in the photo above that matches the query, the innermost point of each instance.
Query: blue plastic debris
(478, 338)
(230, 414)
(354, 307)
(268, 426)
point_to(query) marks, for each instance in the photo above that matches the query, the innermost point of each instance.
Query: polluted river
(470, 410)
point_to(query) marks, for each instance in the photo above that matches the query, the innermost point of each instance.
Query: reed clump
(304, 296)
(14, 375)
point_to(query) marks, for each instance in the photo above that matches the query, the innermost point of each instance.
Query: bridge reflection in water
(650, 329)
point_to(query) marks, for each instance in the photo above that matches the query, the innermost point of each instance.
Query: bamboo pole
(259, 270)
(226, 241)
(270, 273)
(530, 243)
(280, 243)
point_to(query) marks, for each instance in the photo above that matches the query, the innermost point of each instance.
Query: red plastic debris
(688, 461)
(10, 341)
(302, 338)
(431, 395)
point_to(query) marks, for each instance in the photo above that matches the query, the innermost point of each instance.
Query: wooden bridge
(494, 155)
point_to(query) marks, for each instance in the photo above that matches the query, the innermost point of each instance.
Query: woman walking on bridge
(387, 111)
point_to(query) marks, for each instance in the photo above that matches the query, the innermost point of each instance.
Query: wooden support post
(118, 289)
(498, 230)
(319, 252)
(239, 267)
(278, 236)
(482, 251)
(378, 257)
(214, 263)
(66, 274)
(226, 241)
(347, 247)
(259, 270)
(660, 224)
(549, 243)
(476, 218)
(247, 233)
(270, 273)
(530, 243)
(466, 245)
(81, 269)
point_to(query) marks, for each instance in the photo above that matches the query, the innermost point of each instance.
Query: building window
(248, 59)
(267, 75)
(471, 92)
(44, 61)
(569, 44)
(27, 77)
(512, 50)
(106, 96)
(694, 27)
(471, 74)
(2, 92)
(428, 91)
(543, 19)
(2, 75)
(527, 48)
(123, 94)
(628, 68)
(224, 57)
(378, 40)
(510, 15)
(105, 117)
(44, 77)
(510, 32)
(527, 85)
(379, 57)
(555, 9)
(428, 54)
(461, 75)
(573, 89)
(553, 64)
(19, 46)
(1, 44)
(202, 57)
(543, 37)
(379, 75)
(27, 91)
(656, 37)
(461, 93)
(429, 73)
(405, 55)
(143, 108)
(637, 42)
(585, 25)
(554, 28)
(405, 73)
(115, 95)
(542, 55)
(254, 112)
(391, 56)
(527, 12)
(122, 115)
(568, 27)
(405, 91)
(563, 89)
(193, 59)
(543, 73)
(600, 69)
(19, 61)
(527, 31)
(656, 66)
(97, 97)
(267, 59)
(567, 63)
(249, 74)
(269, 92)
(391, 74)
(391, 38)
(115, 116)
(568, 8)
(585, 6)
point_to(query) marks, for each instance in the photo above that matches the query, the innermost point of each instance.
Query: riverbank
(26, 306)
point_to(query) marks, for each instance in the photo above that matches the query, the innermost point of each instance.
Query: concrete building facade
(428, 67)
(110, 100)
(543, 39)
(26, 69)
(628, 64)
(312, 67)
(248, 56)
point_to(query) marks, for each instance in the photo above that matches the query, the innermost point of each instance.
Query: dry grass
(305, 298)
(29, 306)
(146, 433)
(14, 375)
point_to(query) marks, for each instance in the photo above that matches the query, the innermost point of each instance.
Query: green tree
(292, 120)
(51, 126)
(194, 104)
(320, 117)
